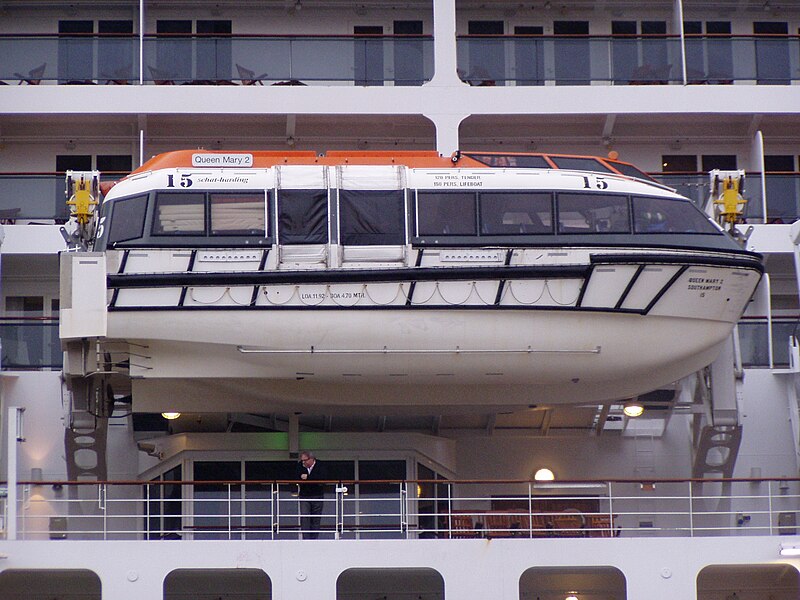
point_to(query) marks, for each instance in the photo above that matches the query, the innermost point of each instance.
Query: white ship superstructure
(375, 231)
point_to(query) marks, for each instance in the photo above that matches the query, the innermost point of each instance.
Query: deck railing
(398, 59)
(628, 60)
(402, 60)
(240, 510)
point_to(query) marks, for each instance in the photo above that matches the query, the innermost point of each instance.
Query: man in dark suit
(311, 494)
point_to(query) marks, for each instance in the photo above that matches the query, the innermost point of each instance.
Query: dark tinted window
(510, 160)
(443, 213)
(677, 163)
(631, 171)
(508, 213)
(371, 217)
(179, 214)
(579, 164)
(120, 163)
(127, 222)
(303, 216)
(371, 470)
(238, 214)
(659, 215)
(592, 213)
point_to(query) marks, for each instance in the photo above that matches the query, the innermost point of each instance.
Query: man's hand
(304, 476)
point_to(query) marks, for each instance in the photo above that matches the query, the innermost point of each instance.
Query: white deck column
(444, 44)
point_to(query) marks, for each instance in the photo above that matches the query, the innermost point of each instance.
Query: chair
(249, 77)
(159, 77)
(461, 526)
(34, 76)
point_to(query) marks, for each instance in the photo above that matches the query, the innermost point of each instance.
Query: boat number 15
(590, 183)
(186, 181)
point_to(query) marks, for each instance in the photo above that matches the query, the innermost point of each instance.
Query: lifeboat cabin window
(657, 215)
(510, 160)
(303, 216)
(222, 215)
(580, 164)
(371, 217)
(505, 213)
(593, 213)
(443, 213)
(237, 214)
(128, 221)
(180, 214)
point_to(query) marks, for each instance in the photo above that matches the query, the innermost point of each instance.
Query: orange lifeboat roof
(414, 159)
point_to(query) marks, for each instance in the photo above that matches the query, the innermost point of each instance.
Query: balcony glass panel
(30, 344)
(289, 60)
(568, 60)
(35, 59)
(754, 342)
(781, 332)
(783, 197)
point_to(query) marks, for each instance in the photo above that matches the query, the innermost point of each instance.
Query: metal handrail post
(339, 509)
(449, 510)
(610, 510)
(691, 511)
(230, 511)
(101, 504)
(769, 500)
(530, 510)
(404, 509)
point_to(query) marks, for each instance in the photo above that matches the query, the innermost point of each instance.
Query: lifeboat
(259, 281)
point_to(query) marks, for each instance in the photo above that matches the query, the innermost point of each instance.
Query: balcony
(627, 60)
(400, 60)
(375, 60)
(404, 509)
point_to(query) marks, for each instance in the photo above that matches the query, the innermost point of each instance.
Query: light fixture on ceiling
(298, 6)
(633, 409)
(544, 474)
(790, 550)
(170, 416)
(571, 596)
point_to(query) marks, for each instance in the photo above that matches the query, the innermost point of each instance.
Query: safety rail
(408, 509)
(30, 343)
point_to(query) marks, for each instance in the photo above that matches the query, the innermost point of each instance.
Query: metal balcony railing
(238, 510)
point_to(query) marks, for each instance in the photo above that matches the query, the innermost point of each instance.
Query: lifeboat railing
(403, 509)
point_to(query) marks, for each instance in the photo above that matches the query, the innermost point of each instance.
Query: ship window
(593, 213)
(579, 164)
(511, 160)
(442, 213)
(238, 214)
(303, 216)
(631, 171)
(507, 213)
(127, 222)
(661, 215)
(370, 217)
(179, 214)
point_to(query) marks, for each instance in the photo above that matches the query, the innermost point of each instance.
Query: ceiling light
(544, 474)
(633, 409)
(790, 550)
(571, 597)
(170, 416)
